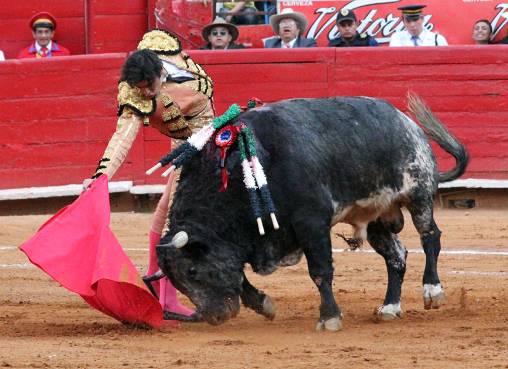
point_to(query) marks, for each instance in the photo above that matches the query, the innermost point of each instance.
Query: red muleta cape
(78, 250)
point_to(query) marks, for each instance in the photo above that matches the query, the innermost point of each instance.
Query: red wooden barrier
(57, 115)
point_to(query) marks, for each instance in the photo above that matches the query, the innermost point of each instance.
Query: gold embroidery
(171, 113)
(177, 124)
(166, 100)
(160, 41)
(132, 97)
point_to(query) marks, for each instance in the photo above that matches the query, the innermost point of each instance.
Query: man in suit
(289, 26)
(349, 36)
(43, 27)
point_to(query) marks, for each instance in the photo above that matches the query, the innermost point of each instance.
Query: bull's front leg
(257, 300)
(320, 263)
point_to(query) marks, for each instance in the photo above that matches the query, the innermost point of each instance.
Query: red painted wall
(57, 115)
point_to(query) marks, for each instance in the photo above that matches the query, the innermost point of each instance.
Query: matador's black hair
(141, 65)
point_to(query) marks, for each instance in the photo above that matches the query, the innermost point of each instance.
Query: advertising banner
(454, 19)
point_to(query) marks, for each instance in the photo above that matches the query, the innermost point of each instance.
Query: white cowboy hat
(299, 18)
(220, 22)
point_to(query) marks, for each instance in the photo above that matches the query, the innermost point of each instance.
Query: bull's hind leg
(257, 300)
(430, 237)
(388, 245)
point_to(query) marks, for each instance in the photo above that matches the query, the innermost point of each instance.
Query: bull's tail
(438, 132)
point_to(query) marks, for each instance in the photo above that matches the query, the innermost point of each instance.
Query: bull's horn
(180, 239)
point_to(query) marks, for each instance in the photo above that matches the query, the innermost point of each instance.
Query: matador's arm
(119, 144)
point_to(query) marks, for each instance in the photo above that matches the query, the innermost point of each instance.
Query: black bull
(354, 160)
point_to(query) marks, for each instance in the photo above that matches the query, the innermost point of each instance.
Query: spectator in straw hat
(289, 27)
(220, 35)
(43, 27)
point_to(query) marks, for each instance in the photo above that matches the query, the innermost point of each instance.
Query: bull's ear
(180, 239)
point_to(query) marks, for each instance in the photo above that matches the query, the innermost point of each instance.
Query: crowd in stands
(288, 26)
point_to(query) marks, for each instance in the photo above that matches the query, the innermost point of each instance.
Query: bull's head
(208, 273)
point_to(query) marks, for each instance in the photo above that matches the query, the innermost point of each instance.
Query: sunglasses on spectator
(216, 33)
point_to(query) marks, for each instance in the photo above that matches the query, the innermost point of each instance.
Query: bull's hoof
(269, 308)
(389, 312)
(332, 324)
(433, 296)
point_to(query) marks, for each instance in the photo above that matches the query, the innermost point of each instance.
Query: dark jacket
(231, 46)
(276, 42)
(359, 40)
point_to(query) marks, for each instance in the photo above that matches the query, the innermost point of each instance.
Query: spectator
(415, 34)
(239, 12)
(220, 35)
(482, 32)
(289, 26)
(268, 8)
(349, 36)
(2, 57)
(43, 27)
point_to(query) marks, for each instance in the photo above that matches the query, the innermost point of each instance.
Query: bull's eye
(192, 272)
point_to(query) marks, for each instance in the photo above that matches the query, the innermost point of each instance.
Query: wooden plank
(119, 27)
(55, 176)
(454, 103)
(262, 56)
(73, 107)
(269, 91)
(493, 118)
(385, 57)
(26, 8)
(114, 8)
(154, 150)
(465, 88)
(57, 130)
(62, 83)
(414, 72)
(267, 73)
(77, 63)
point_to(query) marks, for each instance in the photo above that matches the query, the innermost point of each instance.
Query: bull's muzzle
(221, 311)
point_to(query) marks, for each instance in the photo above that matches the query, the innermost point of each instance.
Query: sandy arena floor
(42, 325)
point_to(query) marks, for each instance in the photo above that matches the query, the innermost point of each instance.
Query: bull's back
(348, 145)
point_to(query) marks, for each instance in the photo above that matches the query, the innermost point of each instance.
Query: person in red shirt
(43, 27)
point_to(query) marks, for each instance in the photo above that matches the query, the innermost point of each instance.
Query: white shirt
(426, 38)
(2, 57)
(39, 47)
(290, 44)
(174, 71)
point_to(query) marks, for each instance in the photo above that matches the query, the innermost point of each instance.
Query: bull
(354, 160)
